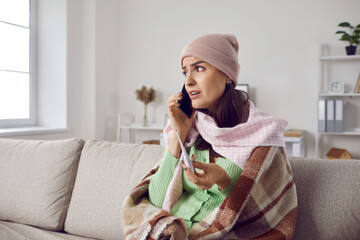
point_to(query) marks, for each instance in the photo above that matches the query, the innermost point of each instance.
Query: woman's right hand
(179, 122)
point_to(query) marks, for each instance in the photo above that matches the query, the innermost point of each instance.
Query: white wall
(81, 38)
(93, 67)
(51, 56)
(115, 47)
(107, 74)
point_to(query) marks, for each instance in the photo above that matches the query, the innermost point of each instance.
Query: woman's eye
(199, 69)
(185, 74)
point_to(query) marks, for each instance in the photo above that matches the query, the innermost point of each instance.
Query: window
(17, 84)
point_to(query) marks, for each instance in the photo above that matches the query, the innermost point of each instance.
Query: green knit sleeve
(160, 181)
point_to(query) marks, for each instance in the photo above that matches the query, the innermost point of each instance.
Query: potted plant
(353, 37)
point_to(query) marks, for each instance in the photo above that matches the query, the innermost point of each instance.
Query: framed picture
(357, 86)
(243, 87)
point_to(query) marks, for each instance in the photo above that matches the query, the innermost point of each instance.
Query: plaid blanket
(262, 205)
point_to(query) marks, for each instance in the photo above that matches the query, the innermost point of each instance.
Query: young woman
(242, 186)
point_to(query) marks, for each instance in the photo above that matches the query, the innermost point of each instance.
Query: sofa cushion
(37, 179)
(107, 172)
(328, 198)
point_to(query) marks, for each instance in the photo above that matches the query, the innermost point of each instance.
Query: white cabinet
(345, 69)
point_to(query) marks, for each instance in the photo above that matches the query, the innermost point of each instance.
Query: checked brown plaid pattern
(262, 205)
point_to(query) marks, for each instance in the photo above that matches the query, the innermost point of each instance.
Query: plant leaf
(338, 32)
(345, 37)
(344, 24)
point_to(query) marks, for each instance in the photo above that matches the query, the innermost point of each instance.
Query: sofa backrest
(328, 198)
(106, 174)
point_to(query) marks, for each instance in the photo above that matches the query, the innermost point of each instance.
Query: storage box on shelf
(295, 142)
(337, 112)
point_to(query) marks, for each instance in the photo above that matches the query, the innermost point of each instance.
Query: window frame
(32, 120)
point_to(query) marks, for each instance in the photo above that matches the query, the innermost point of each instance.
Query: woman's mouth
(194, 94)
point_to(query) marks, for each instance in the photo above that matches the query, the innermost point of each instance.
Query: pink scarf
(235, 144)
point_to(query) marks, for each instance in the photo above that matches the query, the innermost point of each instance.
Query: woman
(225, 135)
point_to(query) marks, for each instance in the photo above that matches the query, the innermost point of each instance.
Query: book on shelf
(339, 115)
(330, 115)
(322, 115)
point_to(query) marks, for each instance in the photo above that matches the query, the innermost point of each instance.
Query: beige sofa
(73, 189)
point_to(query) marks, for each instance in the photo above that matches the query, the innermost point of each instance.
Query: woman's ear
(228, 81)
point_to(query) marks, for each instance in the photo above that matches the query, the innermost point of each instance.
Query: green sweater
(194, 203)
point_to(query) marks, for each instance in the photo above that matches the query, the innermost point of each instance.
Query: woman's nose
(189, 80)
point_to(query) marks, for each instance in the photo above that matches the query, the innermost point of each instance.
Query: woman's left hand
(211, 174)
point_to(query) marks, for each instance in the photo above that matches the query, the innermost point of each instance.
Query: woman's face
(204, 83)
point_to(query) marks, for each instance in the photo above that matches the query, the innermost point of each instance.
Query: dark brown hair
(233, 109)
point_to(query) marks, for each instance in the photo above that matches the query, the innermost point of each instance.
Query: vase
(145, 122)
(350, 50)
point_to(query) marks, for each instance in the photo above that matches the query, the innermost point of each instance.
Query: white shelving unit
(340, 58)
(321, 94)
(327, 62)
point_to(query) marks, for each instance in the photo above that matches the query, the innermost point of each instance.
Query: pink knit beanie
(220, 50)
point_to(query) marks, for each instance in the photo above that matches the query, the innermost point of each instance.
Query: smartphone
(185, 155)
(185, 103)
